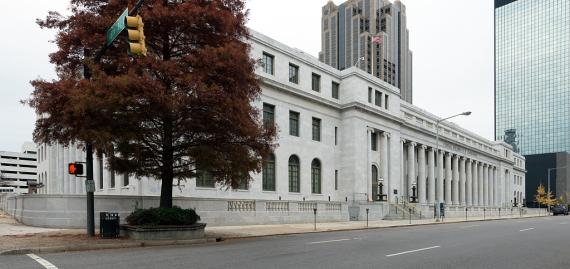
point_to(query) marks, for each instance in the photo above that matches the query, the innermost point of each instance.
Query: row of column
(450, 178)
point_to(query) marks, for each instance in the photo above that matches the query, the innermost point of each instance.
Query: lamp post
(467, 113)
(548, 192)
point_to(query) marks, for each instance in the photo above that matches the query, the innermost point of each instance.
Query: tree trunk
(167, 176)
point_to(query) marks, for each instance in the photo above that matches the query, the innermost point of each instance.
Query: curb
(371, 228)
(86, 247)
(150, 243)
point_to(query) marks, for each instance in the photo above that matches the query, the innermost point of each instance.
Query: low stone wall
(69, 211)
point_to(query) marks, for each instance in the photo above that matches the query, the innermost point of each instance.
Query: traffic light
(75, 168)
(136, 38)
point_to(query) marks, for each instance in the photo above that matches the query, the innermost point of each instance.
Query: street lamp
(381, 196)
(551, 169)
(467, 113)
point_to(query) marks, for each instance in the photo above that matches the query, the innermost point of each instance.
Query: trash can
(109, 225)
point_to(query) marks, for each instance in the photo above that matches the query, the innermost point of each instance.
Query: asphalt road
(527, 243)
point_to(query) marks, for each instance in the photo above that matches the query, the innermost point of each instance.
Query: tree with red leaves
(188, 104)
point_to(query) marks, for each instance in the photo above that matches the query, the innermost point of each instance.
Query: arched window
(316, 176)
(269, 173)
(374, 181)
(294, 174)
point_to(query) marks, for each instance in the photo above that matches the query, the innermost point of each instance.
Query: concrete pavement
(517, 243)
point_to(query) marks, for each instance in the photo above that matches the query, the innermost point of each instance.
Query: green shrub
(163, 217)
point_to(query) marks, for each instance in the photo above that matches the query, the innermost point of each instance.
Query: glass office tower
(532, 74)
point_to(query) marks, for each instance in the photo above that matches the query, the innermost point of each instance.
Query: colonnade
(450, 177)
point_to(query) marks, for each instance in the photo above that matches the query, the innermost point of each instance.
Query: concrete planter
(195, 231)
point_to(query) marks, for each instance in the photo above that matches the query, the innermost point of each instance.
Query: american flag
(377, 39)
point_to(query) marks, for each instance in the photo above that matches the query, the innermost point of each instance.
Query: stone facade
(367, 137)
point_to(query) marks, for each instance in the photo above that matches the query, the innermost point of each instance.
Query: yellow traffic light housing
(136, 37)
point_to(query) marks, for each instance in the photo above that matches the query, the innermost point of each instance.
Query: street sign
(116, 28)
(89, 186)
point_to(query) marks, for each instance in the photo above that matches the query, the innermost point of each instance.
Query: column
(448, 176)
(421, 188)
(462, 179)
(475, 183)
(440, 179)
(431, 176)
(480, 191)
(491, 187)
(73, 181)
(468, 185)
(402, 174)
(384, 163)
(455, 180)
(66, 177)
(485, 185)
(411, 167)
(368, 165)
(497, 189)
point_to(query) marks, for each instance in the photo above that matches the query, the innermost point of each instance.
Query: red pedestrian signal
(75, 169)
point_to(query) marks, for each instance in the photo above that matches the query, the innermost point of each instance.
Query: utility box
(109, 225)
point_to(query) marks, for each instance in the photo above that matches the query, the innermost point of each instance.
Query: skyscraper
(532, 88)
(532, 73)
(371, 35)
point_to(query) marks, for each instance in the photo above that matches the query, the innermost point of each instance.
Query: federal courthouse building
(346, 139)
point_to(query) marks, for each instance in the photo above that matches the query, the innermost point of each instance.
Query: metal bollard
(410, 211)
(465, 213)
(484, 211)
(315, 211)
(368, 209)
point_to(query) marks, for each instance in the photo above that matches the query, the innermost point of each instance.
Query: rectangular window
(378, 98)
(101, 171)
(316, 129)
(316, 82)
(126, 180)
(369, 95)
(204, 179)
(243, 183)
(294, 123)
(112, 179)
(335, 87)
(267, 63)
(268, 114)
(335, 136)
(336, 180)
(386, 101)
(374, 141)
(293, 73)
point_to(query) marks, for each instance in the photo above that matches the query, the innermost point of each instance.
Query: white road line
(526, 229)
(564, 223)
(411, 251)
(330, 241)
(41, 261)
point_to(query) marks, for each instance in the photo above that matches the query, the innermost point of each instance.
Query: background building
(372, 35)
(18, 169)
(532, 82)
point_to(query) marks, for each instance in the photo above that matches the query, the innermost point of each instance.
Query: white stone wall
(406, 137)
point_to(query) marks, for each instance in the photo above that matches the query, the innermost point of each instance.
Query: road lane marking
(41, 261)
(526, 229)
(564, 223)
(411, 251)
(330, 241)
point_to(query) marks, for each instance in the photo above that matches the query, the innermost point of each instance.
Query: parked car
(559, 210)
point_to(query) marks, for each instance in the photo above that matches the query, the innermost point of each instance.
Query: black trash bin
(109, 225)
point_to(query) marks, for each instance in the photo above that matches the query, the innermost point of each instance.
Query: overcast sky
(452, 42)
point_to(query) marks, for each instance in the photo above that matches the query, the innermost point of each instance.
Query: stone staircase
(402, 211)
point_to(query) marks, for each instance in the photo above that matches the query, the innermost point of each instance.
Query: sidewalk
(16, 238)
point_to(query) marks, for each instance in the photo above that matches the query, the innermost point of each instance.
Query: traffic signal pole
(89, 182)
